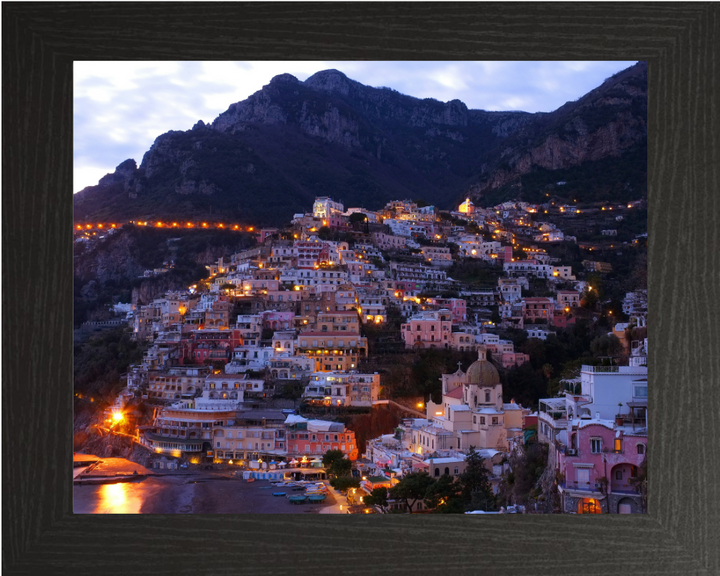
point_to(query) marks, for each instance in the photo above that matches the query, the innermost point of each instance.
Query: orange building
(315, 437)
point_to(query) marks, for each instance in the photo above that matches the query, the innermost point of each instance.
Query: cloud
(121, 107)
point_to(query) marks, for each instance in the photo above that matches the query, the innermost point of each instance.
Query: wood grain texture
(682, 531)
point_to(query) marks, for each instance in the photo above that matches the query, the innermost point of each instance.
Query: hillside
(270, 155)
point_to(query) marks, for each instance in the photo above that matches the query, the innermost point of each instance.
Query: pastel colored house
(428, 329)
(598, 468)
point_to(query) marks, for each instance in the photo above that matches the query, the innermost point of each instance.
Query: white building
(325, 207)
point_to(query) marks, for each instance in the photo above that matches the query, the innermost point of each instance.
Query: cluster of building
(472, 413)
(291, 311)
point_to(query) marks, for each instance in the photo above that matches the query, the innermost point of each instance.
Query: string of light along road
(160, 224)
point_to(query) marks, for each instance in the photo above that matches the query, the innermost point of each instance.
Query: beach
(192, 493)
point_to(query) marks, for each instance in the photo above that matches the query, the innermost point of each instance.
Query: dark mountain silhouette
(269, 156)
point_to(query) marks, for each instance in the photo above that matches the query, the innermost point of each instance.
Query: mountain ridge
(331, 135)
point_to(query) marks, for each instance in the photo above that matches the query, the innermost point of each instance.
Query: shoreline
(192, 493)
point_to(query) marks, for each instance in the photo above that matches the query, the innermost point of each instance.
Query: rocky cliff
(268, 156)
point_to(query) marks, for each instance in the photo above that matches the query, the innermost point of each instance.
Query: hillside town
(259, 366)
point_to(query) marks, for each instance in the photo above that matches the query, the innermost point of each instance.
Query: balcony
(585, 486)
(615, 369)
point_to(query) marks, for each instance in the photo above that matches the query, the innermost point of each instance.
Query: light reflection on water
(119, 498)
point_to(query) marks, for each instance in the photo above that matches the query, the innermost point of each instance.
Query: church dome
(482, 372)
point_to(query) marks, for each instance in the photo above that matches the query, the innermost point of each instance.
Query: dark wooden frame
(680, 535)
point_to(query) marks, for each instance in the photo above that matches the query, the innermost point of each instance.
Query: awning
(640, 404)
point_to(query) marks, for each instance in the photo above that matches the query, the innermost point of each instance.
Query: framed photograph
(677, 535)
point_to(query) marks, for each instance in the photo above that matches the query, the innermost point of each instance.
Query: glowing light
(117, 417)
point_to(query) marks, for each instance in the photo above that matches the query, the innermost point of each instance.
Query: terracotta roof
(456, 393)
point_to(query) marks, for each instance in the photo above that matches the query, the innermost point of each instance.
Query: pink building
(310, 254)
(275, 320)
(428, 329)
(510, 359)
(538, 309)
(505, 254)
(597, 467)
(264, 233)
(457, 307)
(562, 317)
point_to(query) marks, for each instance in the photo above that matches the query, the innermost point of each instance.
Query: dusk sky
(121, 107)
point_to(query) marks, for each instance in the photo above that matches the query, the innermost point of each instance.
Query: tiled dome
(482, 371)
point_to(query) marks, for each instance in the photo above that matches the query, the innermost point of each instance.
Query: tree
(528, 466)
(476, 490)
(547, 370)
(411, 488)
(444, 496)
(336, 464)
(357, 217)
(606, 345)
(378, 497)
(640, 484)
(344, 483)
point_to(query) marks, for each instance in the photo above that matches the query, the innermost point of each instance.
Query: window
(595, 445)
(583, 476)
(618, 475)
(487, 396)
(482, 419)
(457, 470)
(640, 391)
(494, 420)
(618, 445)
(641, 448)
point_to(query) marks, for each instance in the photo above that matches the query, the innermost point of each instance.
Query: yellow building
(466, 207)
